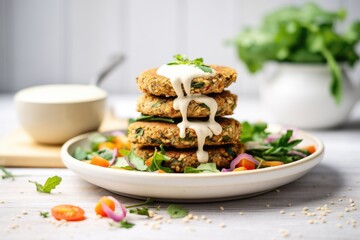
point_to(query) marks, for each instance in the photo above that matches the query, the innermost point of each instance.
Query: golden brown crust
(167, 134)
(150, 82)
(179, 159)
(160, 106)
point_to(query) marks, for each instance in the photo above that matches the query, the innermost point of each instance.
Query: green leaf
(197, 85)
(105, 153)
(6, 174)
(49, 185)
(156, 163)
(80, 153)
(184, 60)
(146, 118)
(137, 161)
(44, 214)
(139, 132)
(253, 132)
(202, 168)
(140, 211)
(122, 224)
(176, 211)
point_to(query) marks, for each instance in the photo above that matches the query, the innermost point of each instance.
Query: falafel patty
(179, 159)
(160, 106)
(150, 82)
(167, 134)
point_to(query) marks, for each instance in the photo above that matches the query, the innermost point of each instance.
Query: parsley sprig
(197, 62)
(6, 174)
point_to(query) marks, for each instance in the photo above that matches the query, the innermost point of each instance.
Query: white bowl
(52, 114)
(191, 187)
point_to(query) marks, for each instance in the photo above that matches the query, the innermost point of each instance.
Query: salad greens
(304, 34)
(271, 148)
(184, 60)
(49, 185)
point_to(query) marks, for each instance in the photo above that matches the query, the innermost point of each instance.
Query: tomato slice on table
(98, 208)
(68, 213)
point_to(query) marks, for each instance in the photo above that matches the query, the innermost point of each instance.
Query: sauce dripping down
(181, 77)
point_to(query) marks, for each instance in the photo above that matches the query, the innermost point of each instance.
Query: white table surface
(331, 188)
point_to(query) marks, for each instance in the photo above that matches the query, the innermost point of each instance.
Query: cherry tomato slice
(68, 213)
(108, 202)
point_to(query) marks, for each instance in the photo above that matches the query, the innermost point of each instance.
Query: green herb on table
(6, 174)
(44, 214)
(122, 224)
(184, 60)
(304, 34)
(176, 211)
(140, 211)
(49, 185)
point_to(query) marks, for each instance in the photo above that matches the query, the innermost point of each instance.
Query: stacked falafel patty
(157, 101)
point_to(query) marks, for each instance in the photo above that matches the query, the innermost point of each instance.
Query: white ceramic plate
(191, 187)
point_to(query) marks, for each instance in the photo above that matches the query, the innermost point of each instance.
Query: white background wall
(68, 41)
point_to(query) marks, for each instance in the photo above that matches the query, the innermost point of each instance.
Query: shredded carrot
(99, 161)
(108, 145)
(148, 161)
(271, 163)
(239, 169)
(311, 149)
(160, 171)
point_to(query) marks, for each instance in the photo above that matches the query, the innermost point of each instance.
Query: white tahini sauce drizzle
(180, 77)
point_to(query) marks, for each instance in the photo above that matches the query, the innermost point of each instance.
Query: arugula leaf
(138, 162)
(184, 60)
(44, 214)
(7, 174)
(157, 160)
(176, 211)
(146, 118)
(49, 185)
(202, 168)
(147, 202)
(122, 224)
(140, 211)
(253, 132)
(105, 153)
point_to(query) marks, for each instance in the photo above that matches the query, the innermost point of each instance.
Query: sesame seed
(222, 208)
(196, 217)
(351, 200)
(340, 200)
(277, 190)
(338, 225)
(293, 214)
(311, 221)
(222, 225)
(282, 212)
(267, 205)
(190, 216)
(289, 204)
(209, 221)
(2, 201)
(347, 210)
(241, 213)
(305, 209)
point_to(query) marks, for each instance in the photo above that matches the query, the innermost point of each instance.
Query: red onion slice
(128, 162)
(238, 159)
(114, 155)
(111, 214)
(300, 154)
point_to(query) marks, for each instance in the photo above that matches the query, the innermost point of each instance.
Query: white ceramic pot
(52, 114)
(299, 95)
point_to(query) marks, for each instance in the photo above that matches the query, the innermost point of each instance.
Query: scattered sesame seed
(351, 200)
(2, 201)
(277, 190)
(332, 203)
(289, 204)
(282, 212)
(190, 216)
(24, 212)
(267, 205)
(241, 213)
(155, 226)
(349, 188)
(151, 213)
(338, 225)
(196, 217)
(185, 220)
(305, 209)
(222, 225)
(311, 221)
(347, 210)
(209, 221)
(14, 226)
(293, 214)
(340, 200)
(168, 221)
(203, 217)
(222, 208)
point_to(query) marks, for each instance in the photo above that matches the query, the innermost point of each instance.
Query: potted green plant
(309, 88)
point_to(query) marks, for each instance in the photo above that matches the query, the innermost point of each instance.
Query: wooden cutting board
(19, 150)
